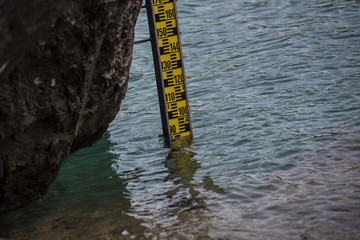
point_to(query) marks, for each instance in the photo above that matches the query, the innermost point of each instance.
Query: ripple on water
(274, 94)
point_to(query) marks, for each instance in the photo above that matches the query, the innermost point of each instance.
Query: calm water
(274, 89)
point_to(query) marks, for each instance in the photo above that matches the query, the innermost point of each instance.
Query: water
(274, 91)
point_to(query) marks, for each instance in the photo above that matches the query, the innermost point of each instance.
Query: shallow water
(274, 91)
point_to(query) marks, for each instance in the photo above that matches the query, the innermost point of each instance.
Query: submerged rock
(60, 86)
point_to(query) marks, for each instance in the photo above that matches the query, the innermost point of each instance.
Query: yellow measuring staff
(169, 68)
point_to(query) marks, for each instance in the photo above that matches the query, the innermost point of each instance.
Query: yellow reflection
(187, 193)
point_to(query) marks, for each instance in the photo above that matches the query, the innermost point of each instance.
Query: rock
(61, 92)
(22, 22)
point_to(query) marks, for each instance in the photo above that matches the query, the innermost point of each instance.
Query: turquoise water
(274, 90)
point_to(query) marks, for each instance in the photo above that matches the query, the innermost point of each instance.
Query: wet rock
(60, 86)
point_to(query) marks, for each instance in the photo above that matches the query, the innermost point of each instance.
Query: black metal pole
(157, 68)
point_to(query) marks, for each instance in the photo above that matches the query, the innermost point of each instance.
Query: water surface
(274, 91)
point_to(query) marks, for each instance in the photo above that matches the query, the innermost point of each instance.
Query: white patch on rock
(37, 81)
(2, 68)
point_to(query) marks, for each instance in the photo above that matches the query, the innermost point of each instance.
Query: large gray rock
(61, 91)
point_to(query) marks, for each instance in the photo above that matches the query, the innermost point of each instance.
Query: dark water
(274, 89)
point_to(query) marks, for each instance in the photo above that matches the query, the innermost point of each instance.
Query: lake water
(274, 90)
